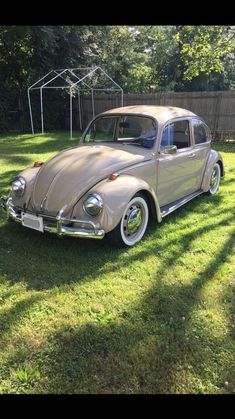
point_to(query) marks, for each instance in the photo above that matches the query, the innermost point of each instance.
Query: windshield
(126, 129)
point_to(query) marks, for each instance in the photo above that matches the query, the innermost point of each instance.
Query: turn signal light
(37, 163)
(113, 176)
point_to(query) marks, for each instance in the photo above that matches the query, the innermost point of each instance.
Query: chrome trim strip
(59, 229)
(172, 207)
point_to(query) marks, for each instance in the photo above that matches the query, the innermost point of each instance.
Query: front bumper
(56, 225)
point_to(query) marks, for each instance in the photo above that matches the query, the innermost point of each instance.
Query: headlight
(18, 186)
(93, 205)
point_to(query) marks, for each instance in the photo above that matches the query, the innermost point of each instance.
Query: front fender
(213, 158)
(116, 194)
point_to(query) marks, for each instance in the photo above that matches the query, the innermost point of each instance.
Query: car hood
(64, 178)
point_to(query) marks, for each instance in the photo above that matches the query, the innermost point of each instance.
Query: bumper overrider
(58, 224)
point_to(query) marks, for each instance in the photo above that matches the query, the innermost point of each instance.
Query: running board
(167, 209)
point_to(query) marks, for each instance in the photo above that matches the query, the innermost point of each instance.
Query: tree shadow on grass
(144, 353)
(29, 145)
(44, 261)
(15, 159)
(11, 316)
(147, 349)
(224, 147)
(5, 181)
(229, 298)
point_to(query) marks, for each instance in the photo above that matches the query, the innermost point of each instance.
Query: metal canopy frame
(72, 86)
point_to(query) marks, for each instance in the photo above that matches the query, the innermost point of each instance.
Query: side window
(201, 131)
(176, 133)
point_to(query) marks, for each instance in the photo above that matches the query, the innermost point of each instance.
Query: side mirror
(171, 149)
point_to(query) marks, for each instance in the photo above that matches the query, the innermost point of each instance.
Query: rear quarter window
(201, 131)
(176, 133)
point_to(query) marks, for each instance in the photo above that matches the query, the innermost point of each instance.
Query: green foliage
(161, 48)
(171, 58)
(29, 52)
(124, 58)
(203, 49)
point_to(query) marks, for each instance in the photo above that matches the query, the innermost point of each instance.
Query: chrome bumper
(91, 232)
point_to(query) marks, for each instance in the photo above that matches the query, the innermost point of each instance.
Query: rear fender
(213, 158)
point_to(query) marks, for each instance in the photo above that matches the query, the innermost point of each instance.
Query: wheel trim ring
(131, 240)
(215, 179)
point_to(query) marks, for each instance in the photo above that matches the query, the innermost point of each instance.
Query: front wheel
(133, 224)
(214, 180)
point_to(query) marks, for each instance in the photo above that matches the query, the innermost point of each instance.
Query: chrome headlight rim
(18, 186)
(93, 204)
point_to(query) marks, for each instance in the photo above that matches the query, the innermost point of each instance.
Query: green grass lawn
(77, 316)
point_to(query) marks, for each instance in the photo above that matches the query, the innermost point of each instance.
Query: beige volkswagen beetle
(132, 163)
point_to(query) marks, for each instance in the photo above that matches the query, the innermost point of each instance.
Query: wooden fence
(216, 108)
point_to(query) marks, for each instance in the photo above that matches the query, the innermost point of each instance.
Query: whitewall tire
(133, 224)
(214, 179)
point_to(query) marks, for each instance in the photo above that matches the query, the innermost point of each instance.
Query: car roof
(161, 113)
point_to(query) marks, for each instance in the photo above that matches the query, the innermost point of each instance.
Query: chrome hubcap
(132, 220)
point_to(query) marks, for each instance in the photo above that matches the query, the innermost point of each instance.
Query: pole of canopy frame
(93, 106)
(41, 101)
(30, 112)
(122, 98)
(79, 110)
(71, 115)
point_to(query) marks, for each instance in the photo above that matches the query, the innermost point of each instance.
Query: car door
(201, 140)
(176, 173)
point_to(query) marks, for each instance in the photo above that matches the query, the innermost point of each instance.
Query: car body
(131, 163)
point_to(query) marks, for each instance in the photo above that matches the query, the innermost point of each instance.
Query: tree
(28, 52)
(202, 51)
(173, 58)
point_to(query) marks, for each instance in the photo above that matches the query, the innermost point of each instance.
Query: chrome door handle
(191, 156)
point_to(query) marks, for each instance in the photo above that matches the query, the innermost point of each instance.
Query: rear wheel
(133, 224)
(215, 179)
